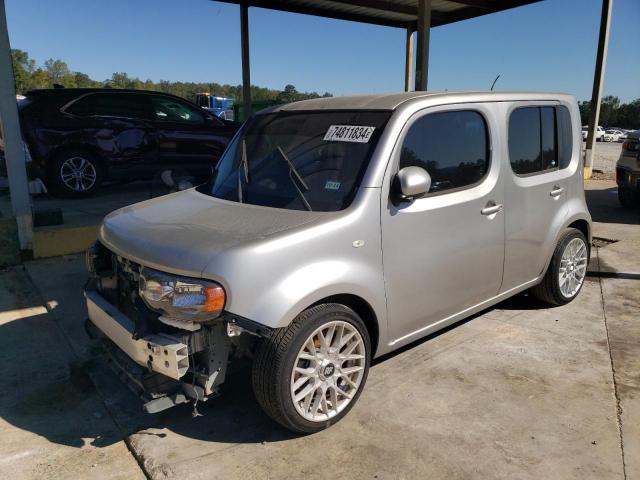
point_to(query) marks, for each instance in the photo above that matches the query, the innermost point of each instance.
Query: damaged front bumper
(160, 353)
(162, 369)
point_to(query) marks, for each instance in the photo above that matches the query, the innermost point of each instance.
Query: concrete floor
(519, 391)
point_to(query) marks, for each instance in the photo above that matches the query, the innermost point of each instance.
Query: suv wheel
(307, 376)
(627, 197)
(567, 270)
(75, 174)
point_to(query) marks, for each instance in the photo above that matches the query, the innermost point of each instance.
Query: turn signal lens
(214, 299)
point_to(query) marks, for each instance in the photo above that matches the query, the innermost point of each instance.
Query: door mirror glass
(412, 182)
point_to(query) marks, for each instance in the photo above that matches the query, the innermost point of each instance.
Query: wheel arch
(70, 147)
(363, 309)
(581, 223)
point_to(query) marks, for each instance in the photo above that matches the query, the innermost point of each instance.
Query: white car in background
(599, 133)
(612, 135)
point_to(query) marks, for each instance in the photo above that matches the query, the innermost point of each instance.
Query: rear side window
(565, 136)
(127, 105)
(540, 139)
(452, 146)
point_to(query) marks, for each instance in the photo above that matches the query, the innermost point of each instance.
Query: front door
(444, 253)
(188, 138)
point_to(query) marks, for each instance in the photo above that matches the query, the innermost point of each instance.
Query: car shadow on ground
(88, 403)
(604, 207)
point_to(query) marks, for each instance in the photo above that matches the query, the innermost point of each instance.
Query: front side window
(169, 110)
(540, 139)
(452, 146)
(298, 160)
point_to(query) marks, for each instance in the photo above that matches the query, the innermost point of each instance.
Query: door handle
(557, 191)
(491, 208)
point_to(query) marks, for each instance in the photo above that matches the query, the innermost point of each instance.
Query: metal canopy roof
(392, 13)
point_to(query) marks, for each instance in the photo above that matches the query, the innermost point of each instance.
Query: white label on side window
(349, 133)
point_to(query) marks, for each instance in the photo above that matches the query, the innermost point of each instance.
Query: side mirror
(412, 183)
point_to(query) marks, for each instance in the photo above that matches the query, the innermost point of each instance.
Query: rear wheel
(567, 270)
(308, 375)
(75, 174)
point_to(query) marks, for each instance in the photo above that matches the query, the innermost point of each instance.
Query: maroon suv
(78, 138)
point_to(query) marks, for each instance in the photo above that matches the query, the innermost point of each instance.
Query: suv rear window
(452, 146)
(540, 139)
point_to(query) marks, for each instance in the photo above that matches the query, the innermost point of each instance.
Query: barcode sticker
(349, 133)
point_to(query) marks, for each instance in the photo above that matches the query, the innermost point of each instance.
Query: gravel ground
(606, 156)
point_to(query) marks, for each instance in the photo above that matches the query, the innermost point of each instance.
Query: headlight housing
(181, 298)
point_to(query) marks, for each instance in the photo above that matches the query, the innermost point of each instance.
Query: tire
(275, 383)
(627, 197)
(551, 290)
(62, 171)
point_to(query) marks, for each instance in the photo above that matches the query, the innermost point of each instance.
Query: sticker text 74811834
(349, 133)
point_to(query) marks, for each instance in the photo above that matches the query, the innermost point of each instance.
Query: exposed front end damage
(161, 362)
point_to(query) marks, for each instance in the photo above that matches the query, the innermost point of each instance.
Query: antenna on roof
(494, 82)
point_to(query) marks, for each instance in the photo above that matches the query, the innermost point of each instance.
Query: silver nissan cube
(334, 231)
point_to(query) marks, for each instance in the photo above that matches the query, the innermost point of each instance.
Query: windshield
(298, 160)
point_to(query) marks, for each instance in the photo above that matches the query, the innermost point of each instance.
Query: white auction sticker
(349, 133)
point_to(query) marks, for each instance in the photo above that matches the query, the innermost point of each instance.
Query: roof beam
(322, 12)
(476, 11)
(383, 5)
(473, 8)
(484, 4)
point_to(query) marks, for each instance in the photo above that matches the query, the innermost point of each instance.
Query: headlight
(181, 298)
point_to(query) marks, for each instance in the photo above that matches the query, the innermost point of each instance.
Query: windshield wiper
(292, 170)
(244, 164)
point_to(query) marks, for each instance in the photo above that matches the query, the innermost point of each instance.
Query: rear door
(189, 138)
(119, 125)
(536, 186)
(443, 253)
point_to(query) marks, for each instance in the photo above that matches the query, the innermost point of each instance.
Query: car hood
(181, 233)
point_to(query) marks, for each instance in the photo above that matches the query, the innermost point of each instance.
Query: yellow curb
(56, 241)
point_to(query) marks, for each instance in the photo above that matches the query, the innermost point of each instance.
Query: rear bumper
(627, 178)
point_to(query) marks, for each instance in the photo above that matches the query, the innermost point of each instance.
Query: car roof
(391, 101)
(80, 91)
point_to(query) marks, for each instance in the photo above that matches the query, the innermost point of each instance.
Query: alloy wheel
(573, 267)
(328, 371)
(78, 174)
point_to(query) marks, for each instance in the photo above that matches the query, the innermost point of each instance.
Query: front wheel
(307, 376)
(567, 270)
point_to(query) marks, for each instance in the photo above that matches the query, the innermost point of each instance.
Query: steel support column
(13, 150)
(246, 73)
(408, 62)
(422, 51)
(598, 82)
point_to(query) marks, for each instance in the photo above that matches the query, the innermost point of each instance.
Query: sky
(547, 46)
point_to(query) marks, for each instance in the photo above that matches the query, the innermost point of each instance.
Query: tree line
(28, 76)
(614, 113)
